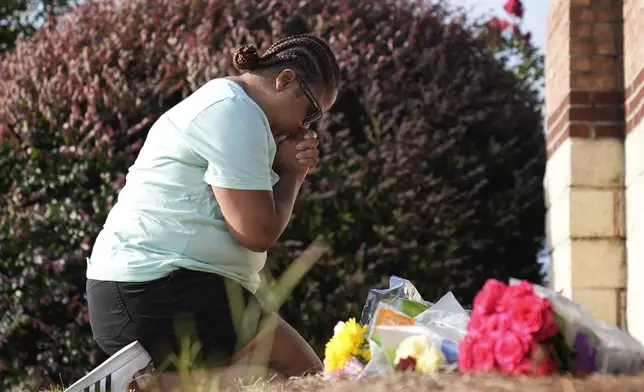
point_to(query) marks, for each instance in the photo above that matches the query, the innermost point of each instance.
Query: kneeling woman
(211, 190)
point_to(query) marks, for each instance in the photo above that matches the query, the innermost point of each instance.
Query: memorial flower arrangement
(516, 329)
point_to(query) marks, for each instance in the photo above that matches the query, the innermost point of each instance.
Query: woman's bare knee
(281, 347)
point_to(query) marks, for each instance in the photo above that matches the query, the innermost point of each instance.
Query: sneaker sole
(93, 381)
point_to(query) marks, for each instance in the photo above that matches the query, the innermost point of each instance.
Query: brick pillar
(634, 82)
(585, 172)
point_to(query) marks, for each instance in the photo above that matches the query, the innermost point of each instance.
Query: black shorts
(200, 308)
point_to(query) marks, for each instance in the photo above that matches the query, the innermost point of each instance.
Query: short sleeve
(232, 136)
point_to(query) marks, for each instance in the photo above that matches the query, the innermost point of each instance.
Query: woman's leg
(282, 348)
(160, 313)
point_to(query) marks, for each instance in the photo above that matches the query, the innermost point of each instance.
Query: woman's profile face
(300, 103)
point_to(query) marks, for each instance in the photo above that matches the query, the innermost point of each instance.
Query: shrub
(432, 165)
(24, 16)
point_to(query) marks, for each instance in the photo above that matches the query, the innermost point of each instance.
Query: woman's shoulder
(227, 94)
(217, 101)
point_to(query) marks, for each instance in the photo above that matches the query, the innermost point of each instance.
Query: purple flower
(585, 358)
(353, 367)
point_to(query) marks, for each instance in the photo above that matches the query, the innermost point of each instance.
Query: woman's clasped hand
(297, 153)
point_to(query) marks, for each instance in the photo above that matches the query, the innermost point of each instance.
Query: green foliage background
(432, 159)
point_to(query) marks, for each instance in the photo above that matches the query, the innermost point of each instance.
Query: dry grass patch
(452, 383)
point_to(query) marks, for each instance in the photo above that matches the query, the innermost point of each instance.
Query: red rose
(510, 351)
(545, 368)
(483, 356)
(549, 327)
(465, 350)
(515, 291)
(477, 324)
(514, 7)
(406, 364)
(475, 355)
(497, 25)
(525, 38)
(487, 299)
(496, 325)
(539, 363)
(493, 23)
(527, 314)
(525, 368)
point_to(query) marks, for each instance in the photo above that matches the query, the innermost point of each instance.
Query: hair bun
(246, 58)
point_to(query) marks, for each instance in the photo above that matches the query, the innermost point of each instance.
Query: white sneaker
(117, 372)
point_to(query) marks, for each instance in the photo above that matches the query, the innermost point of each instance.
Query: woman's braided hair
(307, 53)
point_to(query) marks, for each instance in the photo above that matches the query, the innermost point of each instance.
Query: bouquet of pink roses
(524, 329)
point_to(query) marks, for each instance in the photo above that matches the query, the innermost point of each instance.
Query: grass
(414, 382)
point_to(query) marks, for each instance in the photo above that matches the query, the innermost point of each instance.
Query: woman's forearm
(256, 219)
(284, 194)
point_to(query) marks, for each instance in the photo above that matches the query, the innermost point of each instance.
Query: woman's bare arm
(255, 218)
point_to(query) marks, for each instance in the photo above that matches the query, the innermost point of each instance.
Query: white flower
(428, 359)
(413, 347)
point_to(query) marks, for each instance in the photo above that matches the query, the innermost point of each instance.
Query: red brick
(638, 117)
(554, 146)
(630, 126)
(555, 141)
(579, 130)
(584, 14)
(604, 4)
(635, 84)
(559, 126)
(580, 63)
(606, 30)
(605, 64)
(580, 98)
(608, 13)
(588, 80)
(580, 30)
(609, 131)
(563, 106)
(633, 102)
(607, 97)
(602, 113)
(582, 47)
(606, 48)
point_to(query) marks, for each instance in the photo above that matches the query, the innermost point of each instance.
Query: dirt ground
(454, 383)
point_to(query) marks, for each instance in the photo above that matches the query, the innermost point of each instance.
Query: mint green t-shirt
(166, 216)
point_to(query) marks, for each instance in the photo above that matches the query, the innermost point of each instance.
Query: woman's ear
(284, 79)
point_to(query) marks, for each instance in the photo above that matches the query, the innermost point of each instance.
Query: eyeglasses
(317, 113)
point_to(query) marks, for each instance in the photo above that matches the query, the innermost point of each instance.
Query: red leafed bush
(432, 164)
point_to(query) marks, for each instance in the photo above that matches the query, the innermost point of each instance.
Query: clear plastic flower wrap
(607, 348)
(399, 289)
(397, 321)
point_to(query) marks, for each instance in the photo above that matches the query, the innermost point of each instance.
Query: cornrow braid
(311, 55)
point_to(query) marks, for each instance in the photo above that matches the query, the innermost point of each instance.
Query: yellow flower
(428, 359)
(346, 342)
(366, 354)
